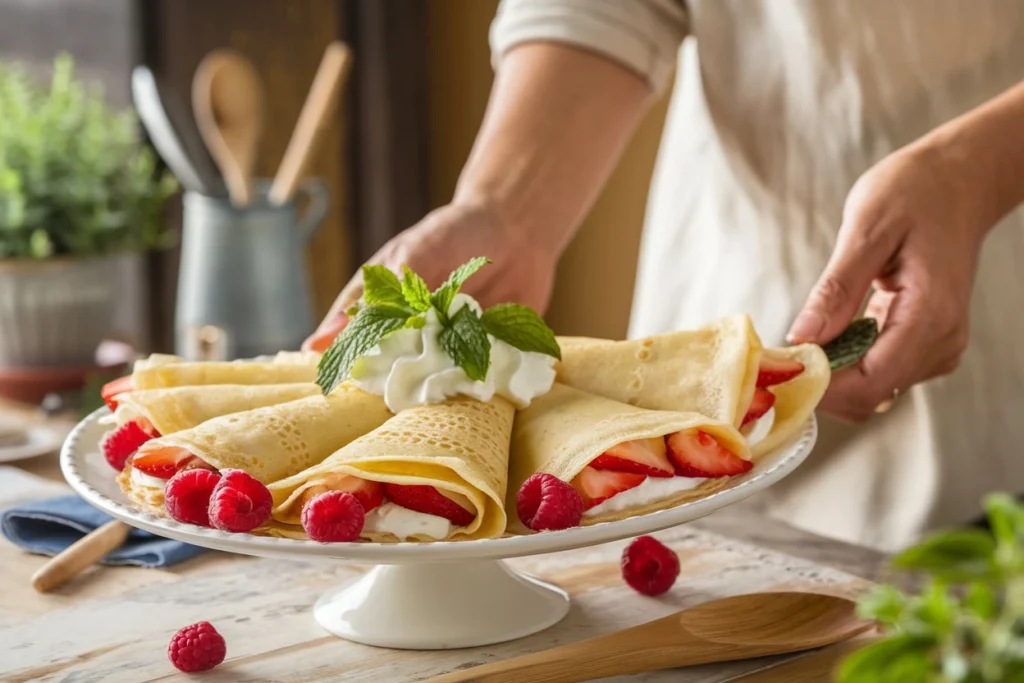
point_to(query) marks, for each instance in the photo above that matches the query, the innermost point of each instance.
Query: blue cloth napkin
(47, 527)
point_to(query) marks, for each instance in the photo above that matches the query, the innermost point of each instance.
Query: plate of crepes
(435, 438)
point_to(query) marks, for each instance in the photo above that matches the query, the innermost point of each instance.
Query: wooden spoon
(227, 98)
(323, 95)
(740, 627)
(80, 555)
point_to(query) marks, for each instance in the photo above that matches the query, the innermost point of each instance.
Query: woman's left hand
(912, 228)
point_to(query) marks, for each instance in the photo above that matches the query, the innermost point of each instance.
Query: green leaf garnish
(465, 341)
(521, 327)
(852, 344)
(381, 287)
(956, 555)
(414, 290)
(362, 333)
(442, 297)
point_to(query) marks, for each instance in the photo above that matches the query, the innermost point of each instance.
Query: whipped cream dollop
(140, 478)
(405, 523)
(760, 428)
(410, 368)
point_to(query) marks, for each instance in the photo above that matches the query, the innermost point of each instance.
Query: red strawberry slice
(774, 371)
(110, 390)
(640, 456)
(698, 454)
(120, 444)
(428, 500)
(164, 463)
(762, 403)
(597, 486)
(370, 494)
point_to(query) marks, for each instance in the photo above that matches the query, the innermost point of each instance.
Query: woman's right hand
(446, 238)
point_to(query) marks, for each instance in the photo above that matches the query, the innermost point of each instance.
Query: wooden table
(113, 624)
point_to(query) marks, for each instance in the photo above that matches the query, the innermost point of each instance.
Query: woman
(816, 153)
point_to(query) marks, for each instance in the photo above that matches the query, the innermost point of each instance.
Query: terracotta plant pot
(56, 312)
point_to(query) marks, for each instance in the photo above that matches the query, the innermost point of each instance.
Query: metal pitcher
(243, 276)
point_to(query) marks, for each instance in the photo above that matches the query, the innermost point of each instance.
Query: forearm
(987, 144)
(556, 123)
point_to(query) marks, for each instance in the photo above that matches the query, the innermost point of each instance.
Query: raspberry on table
(546, 503)
(187, 495)
(333, 517)
(197, 648)
(649, 566)
(239, 503)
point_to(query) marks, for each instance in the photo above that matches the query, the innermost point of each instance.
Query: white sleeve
(642, 35)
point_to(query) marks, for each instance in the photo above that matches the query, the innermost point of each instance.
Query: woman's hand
(912, 228)
(445, 239)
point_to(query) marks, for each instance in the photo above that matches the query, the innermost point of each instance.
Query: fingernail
(806, 328)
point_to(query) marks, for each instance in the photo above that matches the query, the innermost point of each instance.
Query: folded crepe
(177, 408)
(564, 431)
(270, 443)
(459, 447)
(159, 371)
(712, 370)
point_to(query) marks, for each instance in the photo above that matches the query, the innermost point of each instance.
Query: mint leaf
(362, 333)
(443, 295)
(416, 322)
(415, 290)
(465, 341)
(381, 287)
(521, 327)
(958, 555)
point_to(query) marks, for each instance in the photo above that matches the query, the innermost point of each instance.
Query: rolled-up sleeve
(642, 35)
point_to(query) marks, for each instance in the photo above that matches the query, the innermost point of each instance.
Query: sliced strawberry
(110, 390)
(762, 403)
(640, 456)
(164, 463)
(120, 444)
(774, 371)
(428, 500)
(696, 453)
(596, 486)
(369, 493)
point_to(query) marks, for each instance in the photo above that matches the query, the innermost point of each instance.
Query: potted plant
(78, 192)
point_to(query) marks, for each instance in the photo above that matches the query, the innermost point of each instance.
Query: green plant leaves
(442, 298)
(74, 178)
(362, 333)
(521, 327)
(465, 341)
(382, 288)
(959, 555)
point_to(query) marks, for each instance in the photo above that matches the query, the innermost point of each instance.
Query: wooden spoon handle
(82, 554)
(330, 76)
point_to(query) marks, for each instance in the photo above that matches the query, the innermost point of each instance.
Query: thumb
(839, 293)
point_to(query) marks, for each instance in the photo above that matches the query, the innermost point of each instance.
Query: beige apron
(778, 107)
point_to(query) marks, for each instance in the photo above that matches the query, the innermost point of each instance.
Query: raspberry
(333, 517)
(197, 648)
(187, 496)
(545, 502)
(121, 443)
(648, 566)
(239, 502)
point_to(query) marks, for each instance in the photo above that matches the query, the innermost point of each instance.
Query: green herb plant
(74, 178)
(967, 624)
(390, 304)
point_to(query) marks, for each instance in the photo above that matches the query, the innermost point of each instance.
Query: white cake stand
(424, 596)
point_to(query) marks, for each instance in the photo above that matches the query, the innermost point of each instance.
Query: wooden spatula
(80, 555)
(740, 627)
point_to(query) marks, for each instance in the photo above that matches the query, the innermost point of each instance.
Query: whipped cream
(410, 368)
(760, 428)
(140, 478)
(649, 490)
(405, 523)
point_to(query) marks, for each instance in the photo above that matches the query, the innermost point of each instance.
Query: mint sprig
(390, 304)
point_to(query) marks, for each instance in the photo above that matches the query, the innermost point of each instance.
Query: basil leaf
(521, 327)
(465, 341)
(362, 333)
(883, 603)
(959, 555)
(415, 290)
(898, 655)
(381, 287)
(443, 295)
